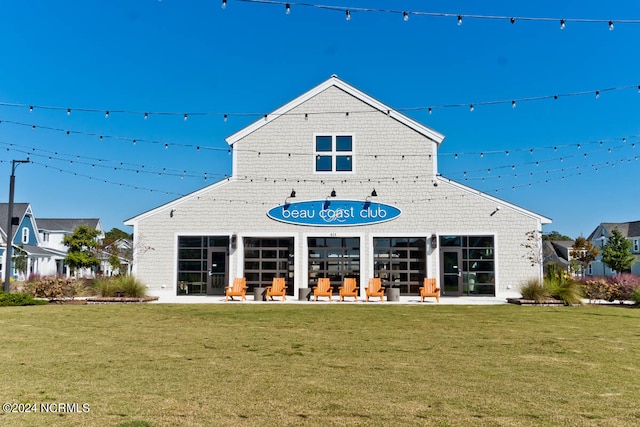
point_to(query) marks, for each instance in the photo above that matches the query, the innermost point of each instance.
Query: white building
(335, 184)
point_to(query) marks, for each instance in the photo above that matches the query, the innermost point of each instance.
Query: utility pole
(7, 266)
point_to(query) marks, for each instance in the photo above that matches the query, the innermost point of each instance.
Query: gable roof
(66, 224)
(336, 82)
(19, 210)
(628, 229)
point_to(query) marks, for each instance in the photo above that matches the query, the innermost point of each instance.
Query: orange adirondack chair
(375, 289)
(277, 289)
(324, 289)
(239, 289)
(429, 289)
(348, 289)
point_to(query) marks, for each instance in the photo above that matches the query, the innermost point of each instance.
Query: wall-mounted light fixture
(495, 211)
(171, 213)
(434, 241)
(293, 194)
(333, 193)
(374, 193)
(234, 241)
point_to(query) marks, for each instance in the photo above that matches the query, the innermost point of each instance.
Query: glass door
(451, 271)
(217, 281)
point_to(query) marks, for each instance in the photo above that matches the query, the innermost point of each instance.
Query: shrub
(635, 297)
(562, 287)
(598, 289)
(104, 287)
(126, 286)
(130, 287)
(18, 299)
(534, 290)
(625, 285)
(54, 287)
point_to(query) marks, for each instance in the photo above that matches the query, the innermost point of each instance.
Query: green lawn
(267, 365)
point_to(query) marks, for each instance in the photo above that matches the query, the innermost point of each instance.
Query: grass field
(267, 365)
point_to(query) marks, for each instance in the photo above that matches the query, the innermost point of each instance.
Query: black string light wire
(610, 23)
(471, 106)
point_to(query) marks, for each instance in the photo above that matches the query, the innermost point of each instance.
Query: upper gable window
(334, 153)
(25, 235)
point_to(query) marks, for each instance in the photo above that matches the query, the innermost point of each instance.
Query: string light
(288, 9)
(405, 16)
(224, 4)
(513, 104)
(348, 13)
(471, 108)
(459, 16)
(459, 20)
(635, 87)
(106, 114)
(68, 111)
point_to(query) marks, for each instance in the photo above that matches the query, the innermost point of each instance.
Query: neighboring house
(41, 240)
(336, 184)
(557, 252)
(600, 236)
(121, 248)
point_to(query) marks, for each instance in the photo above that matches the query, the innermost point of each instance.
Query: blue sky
(194, 57)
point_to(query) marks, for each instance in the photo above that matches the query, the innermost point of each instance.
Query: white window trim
(334, 153)
(25, 235)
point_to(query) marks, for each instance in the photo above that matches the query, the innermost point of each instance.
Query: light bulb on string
(348, 15)
(562, 24)
(459, 20)
(68, 111)
(430, 110)
(186, 117)
(513, 20)
(287, 9)
(405, 16)
(597, 94)
(513, 104)
(146, 116)
(226, 116)
(224, 4)
(471, 108)
(610, 25)
(106, 114)
(31, 106)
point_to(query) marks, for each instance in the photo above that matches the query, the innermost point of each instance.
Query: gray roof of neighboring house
(19, 210)
(37, 250)
(550, 253)
(628, 229)
(65, 224)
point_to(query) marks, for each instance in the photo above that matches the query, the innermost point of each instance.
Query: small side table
(259, 294)
(393, 294)
(304, 294)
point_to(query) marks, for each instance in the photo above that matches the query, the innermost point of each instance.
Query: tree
(616, 253)
(82, 246)
(115, 234)
(555, 235)
(584, 252)
(20, 260)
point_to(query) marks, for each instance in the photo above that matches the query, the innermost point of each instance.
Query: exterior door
(218, 271)
(451, 271)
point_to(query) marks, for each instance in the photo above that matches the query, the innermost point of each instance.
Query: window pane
(323, 163)
(343, 143)
(343, 163)
(323, 143)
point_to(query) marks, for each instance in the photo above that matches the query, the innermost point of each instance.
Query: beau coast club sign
(334, 213)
